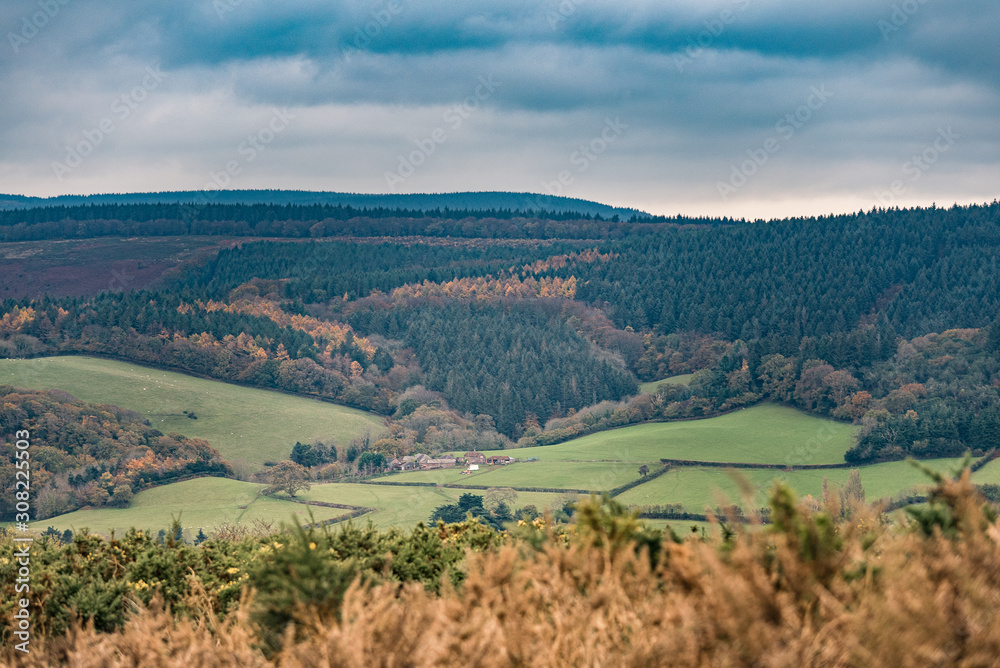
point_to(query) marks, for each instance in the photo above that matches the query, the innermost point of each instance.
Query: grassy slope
(650, 388)
(202, 502)
(568, 475)
(762, 434)
(241, 422)
(220, 500)
(259, 425)
(405, 506)
(989, 473)
(698, 487)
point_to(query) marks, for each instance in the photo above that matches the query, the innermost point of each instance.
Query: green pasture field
(210, 502)
(201, 502)
(405, 506)
(698, 487)
(219, 500)
(242, 423)
(597, 476)
(651, 387)
(989, 473)
(762, 434)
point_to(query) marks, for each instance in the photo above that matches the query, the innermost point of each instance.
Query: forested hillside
(515, 361)
(318, 272)
(927, 270)
(885, 318)
(321, 220)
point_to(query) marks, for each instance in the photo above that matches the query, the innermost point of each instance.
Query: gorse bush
(100, 580)
(817, 587)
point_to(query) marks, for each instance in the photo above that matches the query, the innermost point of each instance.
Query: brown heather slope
(86, 267)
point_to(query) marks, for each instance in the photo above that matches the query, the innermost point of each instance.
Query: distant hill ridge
(468, 201)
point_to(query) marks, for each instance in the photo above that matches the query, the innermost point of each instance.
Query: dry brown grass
(810, 594)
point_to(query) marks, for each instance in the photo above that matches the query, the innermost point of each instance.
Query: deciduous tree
(287, 477)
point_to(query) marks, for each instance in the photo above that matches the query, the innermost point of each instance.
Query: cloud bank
(715, 103)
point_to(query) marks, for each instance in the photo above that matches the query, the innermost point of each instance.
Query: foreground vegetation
(832, 586)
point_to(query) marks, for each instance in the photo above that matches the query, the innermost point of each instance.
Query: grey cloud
(698, 86)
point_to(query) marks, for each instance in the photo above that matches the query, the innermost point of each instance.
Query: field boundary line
(681, 463)
(356, 511)
(621, 489)
(455, 485)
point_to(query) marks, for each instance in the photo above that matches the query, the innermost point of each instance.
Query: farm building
(407, 463)
(442, 463)
(473, 457)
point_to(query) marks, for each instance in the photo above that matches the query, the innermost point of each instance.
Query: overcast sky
(739, 107)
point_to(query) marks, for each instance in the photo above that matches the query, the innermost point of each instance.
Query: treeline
(316, 221)
(253, 214)
(492, 202)
(86, 454)
(517, 362)
(938, 396)
(161, 329)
